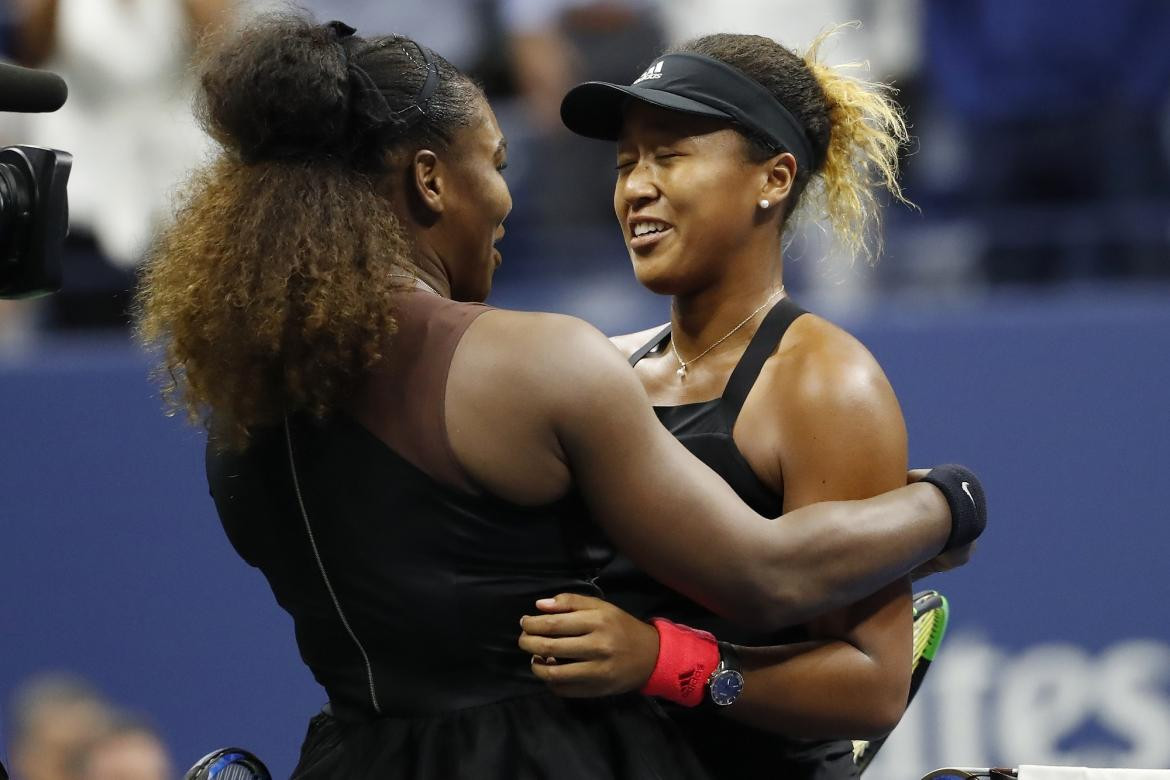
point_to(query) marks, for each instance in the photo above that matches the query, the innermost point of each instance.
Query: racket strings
(924, 629)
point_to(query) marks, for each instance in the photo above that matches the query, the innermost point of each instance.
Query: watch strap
(729, 657)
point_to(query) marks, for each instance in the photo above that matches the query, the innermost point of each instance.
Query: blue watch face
(726, 686)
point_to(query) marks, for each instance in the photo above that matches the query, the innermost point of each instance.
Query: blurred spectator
(129, 125)
(130, 750)
(1060, 113)
(553, 44)
(52, 722)
(556, 43)
(6, 25)
(887, 39)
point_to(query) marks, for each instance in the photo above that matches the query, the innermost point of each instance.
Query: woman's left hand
(584, 646)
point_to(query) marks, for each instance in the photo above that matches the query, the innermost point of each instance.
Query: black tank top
(728, 749)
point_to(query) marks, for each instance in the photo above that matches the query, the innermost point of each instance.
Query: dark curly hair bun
(283, 87)
(282, 90)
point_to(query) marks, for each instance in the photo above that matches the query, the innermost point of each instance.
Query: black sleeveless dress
(406, 595)
(727, 748)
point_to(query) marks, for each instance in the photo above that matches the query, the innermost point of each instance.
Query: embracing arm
(681, 523)
(534, 401)
(842, 436)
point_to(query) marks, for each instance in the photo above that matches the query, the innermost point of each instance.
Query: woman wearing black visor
(719, 143)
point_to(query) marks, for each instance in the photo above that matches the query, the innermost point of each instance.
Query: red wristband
(686, 658)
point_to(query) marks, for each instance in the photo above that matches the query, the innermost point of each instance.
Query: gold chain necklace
(684, 364)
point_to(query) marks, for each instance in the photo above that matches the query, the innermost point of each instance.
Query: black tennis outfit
(728, 749)
(406, 584)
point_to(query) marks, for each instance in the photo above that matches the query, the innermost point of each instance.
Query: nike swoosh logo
(967, 489)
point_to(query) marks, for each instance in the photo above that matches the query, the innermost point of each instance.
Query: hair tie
(341, 29)
(357, 73)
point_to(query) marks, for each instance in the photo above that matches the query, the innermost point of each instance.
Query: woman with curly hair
(789, 409)
(410, 469)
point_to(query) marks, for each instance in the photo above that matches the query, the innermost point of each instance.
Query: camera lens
(15, 205)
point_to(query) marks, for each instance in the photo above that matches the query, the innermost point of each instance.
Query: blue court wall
(112, 563)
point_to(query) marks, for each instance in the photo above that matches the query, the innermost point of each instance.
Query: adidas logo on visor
(653, 72)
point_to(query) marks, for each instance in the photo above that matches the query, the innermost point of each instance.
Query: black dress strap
(651, 345)
(759, 349)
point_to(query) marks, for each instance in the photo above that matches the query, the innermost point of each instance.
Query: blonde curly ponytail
(861, 161)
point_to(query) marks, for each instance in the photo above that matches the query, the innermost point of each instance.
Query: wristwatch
(726, 682)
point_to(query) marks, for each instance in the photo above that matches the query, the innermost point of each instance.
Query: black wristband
(966, 499)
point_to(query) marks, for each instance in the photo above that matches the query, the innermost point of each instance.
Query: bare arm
(544, 63)
(834, 420)
(533, 399)
(681, 522)
(841, 436)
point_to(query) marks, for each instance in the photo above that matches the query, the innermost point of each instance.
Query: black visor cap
(596, 109)
(691, 84)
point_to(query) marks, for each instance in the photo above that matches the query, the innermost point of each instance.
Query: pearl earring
(764, 203)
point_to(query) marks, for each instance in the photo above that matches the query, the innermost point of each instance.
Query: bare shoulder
(630, 342)
(544, 331)
(823, 369)
(534, 325)
(539, 347)
(839, 427)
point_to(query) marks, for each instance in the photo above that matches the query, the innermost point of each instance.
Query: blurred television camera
(34, 207)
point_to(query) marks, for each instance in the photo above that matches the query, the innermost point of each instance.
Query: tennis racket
(931, 612)
(228, 764)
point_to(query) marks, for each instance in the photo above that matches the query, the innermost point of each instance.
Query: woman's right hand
(583, 646)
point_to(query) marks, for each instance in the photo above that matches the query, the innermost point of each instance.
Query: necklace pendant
(682, 371)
